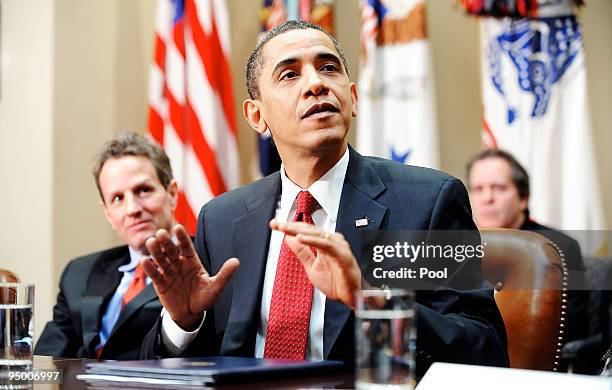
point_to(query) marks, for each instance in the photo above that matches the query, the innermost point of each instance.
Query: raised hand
(333, 269)
(182, 284)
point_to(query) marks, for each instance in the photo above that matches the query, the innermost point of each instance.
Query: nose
(487, 195)
(315, 85)
(132, 205)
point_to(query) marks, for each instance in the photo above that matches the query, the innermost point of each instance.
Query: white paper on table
(468, 377)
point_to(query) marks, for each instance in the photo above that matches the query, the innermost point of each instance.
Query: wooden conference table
(439, 376)
(72, 367)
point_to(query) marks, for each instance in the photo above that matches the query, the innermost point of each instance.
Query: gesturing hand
(333, 269)
(182, 284)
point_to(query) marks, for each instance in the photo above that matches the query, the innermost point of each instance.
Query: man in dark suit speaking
(106, 304)
(280, 299)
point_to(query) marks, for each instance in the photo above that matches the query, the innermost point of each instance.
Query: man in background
(106, 304)
(499, 193)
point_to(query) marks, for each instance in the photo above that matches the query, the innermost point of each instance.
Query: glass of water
(385, 334)
(16, 325)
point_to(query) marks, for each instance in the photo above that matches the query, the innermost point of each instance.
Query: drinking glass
(385, 334)
(16, 325)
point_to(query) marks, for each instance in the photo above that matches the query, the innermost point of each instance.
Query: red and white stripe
(369, 22)
(305, 9)
(191, 110)
(278, 14)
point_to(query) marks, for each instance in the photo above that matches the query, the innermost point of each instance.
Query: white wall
(26, 149)
(74, 72)
(596, 20)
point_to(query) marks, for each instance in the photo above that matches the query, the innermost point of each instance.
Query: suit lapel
(145, 296)
(361, 187)
(102, 283)
(251, 239)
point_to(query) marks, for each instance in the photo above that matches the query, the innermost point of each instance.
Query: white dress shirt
(327, 191)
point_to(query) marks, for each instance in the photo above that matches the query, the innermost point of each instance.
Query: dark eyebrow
(283, 63)
(329, 57)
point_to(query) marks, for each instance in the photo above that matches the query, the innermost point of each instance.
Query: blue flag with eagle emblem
(535, 106)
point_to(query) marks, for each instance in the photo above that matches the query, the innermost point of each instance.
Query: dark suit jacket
(577, 313)
(86, 286)
(456, 326)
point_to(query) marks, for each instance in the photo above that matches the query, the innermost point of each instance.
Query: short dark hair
(131, 144)
(520, 177)
(255, 62)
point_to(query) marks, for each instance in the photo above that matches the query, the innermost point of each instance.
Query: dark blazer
(578, 299)
(86, 286)
(455, 326)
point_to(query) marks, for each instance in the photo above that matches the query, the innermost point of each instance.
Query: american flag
(191, 112)
(369, 23)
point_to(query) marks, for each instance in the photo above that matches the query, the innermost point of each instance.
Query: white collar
(327, 190)
(135, 257)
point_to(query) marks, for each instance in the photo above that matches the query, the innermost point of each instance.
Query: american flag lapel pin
(361, 222)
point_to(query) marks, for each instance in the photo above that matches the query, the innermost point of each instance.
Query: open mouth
(320, 108)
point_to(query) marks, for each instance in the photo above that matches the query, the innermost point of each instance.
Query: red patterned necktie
(138, 283)
(289, 318)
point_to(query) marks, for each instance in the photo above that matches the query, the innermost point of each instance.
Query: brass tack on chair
(551, 261)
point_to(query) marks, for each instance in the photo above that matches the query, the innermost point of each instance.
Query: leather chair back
(7, 276)
(529, 274)
(7, 294)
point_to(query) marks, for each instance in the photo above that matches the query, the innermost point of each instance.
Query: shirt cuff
(175, 339)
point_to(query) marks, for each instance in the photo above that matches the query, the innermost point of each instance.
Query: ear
(173, 192)
(252, 113)
(524, 203)
(106, 213)
(354, 99)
